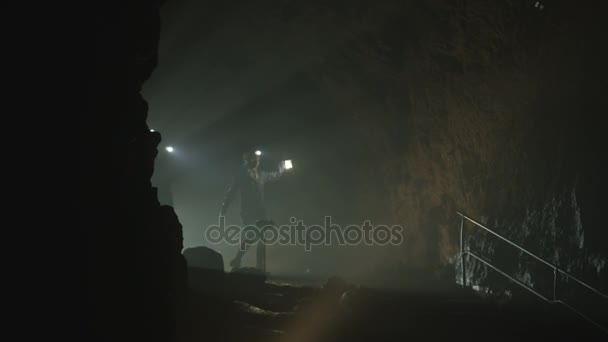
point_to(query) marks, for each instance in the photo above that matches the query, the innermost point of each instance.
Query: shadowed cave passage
(397, 112)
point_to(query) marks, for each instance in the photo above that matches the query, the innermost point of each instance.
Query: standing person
(249, 183)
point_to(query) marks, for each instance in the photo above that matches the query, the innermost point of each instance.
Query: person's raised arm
(270, 176)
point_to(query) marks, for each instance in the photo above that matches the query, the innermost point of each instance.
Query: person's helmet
(251, 157)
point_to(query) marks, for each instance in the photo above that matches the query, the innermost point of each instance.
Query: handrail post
(464, 269)
(554, 283)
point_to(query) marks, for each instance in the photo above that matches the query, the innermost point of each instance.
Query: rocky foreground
(238, 307)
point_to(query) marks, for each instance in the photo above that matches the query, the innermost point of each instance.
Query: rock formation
(134, 243)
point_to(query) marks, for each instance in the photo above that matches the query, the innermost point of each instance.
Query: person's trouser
(244, 247)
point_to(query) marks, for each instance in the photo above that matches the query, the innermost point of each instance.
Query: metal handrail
(464, 251)
(555, 267)
(508, 276)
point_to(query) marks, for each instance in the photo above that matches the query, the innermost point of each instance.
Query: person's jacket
(251, 192)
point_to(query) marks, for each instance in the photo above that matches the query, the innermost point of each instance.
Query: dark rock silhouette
(336, 284)
(135, 268)
(250, 275)
(204, 257)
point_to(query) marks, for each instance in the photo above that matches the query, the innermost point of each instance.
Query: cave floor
(225, 307)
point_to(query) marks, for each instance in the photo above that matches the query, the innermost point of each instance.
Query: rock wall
(489, 108)
(136, 271)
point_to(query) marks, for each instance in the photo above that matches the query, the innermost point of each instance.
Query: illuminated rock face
(486, 108)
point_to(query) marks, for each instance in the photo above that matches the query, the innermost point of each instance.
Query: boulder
(204, 257)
